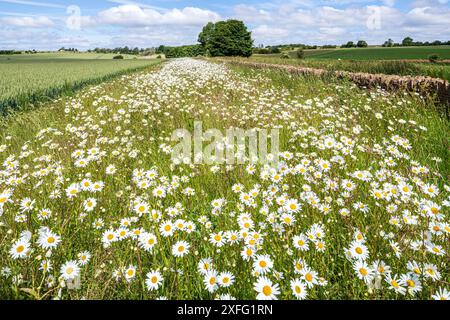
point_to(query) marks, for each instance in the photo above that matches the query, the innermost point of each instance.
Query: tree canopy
(226, 38)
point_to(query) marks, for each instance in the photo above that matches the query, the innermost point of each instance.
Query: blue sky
(51, 24)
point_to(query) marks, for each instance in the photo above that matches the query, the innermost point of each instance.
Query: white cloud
(133, 15)
(27, 22)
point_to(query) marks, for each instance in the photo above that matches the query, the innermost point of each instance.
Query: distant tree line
(68, 49)
(359, 44)
(125, 50)
(181, 51)
(409, 42)
(10, 52)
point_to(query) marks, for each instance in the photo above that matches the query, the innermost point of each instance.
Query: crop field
(94, 205)
(63, 55)
(379, 53)
(402, 68)
(28, 79)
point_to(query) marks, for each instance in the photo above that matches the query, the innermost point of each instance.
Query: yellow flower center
(267, 290)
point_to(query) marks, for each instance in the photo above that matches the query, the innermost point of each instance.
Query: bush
(284, 56)
(300, 54)
(158, 57)
(433, 58)
(119, 57)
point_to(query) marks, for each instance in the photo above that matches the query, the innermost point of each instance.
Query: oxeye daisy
(20, 249)
(159, 192)
(180, 249)
(147, 241)
(217, 239)
(262, 264)
(210, 280)
(48, 240)
(153, 280)
(442, 294)
(122, 233)
(141, 208)
(299, 289)
(265, 289)
(111, 169)
(395, 284)
(412, 283)
(90, 204)
(70, 270)
(130, 273)
(309, 277)
(44, 214)
(109, 236)
(205, 265)
(247, 253)
(359, 251)
(363, 271)
(300, 242)
(166, 229)
(225, 279)
(83, 258)
(72, 191)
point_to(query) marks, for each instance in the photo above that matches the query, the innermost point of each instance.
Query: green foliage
(300, 53)
(389, 43)
(119, 57)
(184, 51)
(205, 36)
(408, 41)
(434, 58)
(227, 38)
(362, 44)
(349, 44)
(267, 50)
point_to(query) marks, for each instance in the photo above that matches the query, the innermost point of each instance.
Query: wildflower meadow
(352, 204)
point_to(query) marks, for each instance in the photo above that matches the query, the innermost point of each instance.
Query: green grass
(30, 79)
(396, 138)
(378, 53)
(402, 68)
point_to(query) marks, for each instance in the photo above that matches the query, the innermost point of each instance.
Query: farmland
(379, 53)
(28, 79)
(402, 68)
(94, 206)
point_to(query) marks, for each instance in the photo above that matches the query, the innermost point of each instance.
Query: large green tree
(227, 38)
(206, 33)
